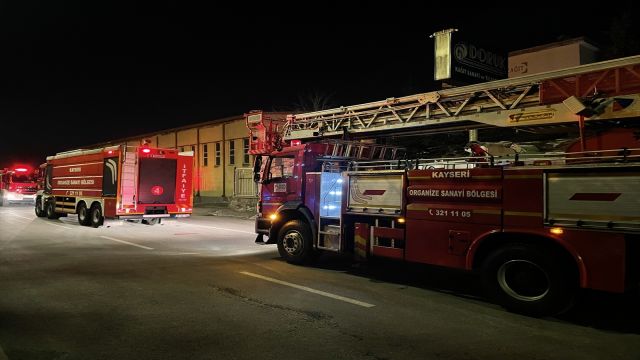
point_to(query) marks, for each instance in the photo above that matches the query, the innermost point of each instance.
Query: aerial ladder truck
(537, 227)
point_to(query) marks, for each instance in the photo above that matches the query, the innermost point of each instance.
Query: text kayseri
(451, 174)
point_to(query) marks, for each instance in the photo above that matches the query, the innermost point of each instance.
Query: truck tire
(83, 215)
(96, 215)
(50, 209)
(295, 243)
(151, 221)
(39, 211)
(529, 280)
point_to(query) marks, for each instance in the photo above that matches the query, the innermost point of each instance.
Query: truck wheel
(295, 244)
(50, 210)
(38, 206)
(96, 215)
(529, 280)
(83, 215)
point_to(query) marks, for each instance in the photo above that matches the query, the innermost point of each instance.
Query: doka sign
(461, 62)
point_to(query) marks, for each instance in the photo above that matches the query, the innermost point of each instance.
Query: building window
(245, 149)
(218, 154)
(188, 148)
(205, 155)
(232, 152)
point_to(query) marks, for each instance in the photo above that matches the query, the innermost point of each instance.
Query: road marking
(15, 220)
(125, 242)
(22, 217)
(66, 227)
(182, 253)
(226, 229)
(304, 288)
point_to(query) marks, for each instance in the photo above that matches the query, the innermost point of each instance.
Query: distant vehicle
(18, 185)
(117, 182)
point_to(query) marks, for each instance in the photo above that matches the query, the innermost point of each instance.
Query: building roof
(164, 131)
(556, 44)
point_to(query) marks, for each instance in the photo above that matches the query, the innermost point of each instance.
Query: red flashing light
(110, 152)
(296, 142)
(146, 151)
(21, 169)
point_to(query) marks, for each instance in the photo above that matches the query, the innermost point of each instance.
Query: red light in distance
(21, 170)
(146, 151)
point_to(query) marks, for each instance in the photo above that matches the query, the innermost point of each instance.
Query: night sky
(76, 74)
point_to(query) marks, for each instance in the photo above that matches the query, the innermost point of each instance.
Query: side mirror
(257, 165)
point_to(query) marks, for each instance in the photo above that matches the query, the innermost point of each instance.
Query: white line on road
(12, 220)
(226, 229)
(125, 242)
(183, 253)
(304, 288)
(66, 227)
(22, 217)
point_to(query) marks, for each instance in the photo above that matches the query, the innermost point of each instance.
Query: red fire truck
(117, 182)
(537, 227)
(18, 185)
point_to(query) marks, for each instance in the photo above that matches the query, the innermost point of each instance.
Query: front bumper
(20, 198)
(263, 225)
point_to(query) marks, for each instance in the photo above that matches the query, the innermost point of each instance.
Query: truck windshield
(21, 178)
(281, 167)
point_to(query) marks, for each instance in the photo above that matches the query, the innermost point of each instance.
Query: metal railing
(595, 158)
(243, 184)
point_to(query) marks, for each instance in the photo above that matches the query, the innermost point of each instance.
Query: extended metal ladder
(599, 91)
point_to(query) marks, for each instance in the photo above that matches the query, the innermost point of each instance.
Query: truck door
(448, 208)
(279, 184)
(48, 179)
(110, 177)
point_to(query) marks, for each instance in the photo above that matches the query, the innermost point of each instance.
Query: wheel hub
(523, 280)
(292, 242)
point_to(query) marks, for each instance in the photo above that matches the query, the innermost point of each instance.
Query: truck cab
(302, 186)
(18, 185)
(282, 183)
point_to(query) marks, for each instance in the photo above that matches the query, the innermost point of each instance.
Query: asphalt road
(200, 288)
